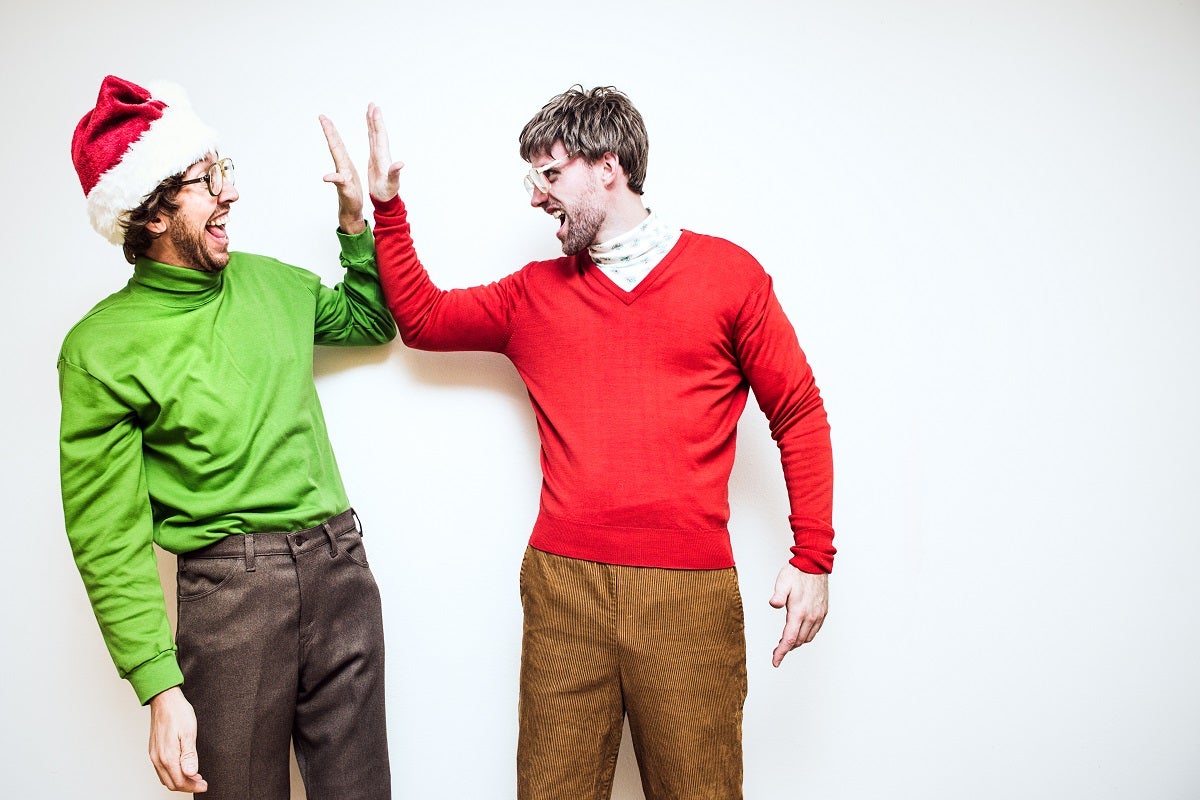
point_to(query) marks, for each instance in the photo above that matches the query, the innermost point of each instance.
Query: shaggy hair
(163, 201)
(591, 122)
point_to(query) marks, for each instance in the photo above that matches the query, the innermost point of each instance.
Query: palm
(383, 174)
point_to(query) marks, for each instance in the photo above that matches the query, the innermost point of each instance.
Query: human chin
(579, 230)
(199, 250)
(215, 260)
(573, 243)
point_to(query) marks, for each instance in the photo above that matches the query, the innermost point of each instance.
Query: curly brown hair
(592, 122)
(163, 201)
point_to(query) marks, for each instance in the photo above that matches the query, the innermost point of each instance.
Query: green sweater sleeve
(110, 528)
(130, 450)
(355, 312)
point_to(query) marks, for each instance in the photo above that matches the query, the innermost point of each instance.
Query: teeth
(557, 214)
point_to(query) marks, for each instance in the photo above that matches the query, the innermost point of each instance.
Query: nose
(229, 193)
(537, 197)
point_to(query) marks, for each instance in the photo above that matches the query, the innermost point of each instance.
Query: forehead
(201, 165)
(541, 158)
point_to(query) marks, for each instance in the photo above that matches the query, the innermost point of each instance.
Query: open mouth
(216, 229)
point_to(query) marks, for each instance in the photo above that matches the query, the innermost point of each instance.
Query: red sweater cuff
(814, 551)
(392, 207)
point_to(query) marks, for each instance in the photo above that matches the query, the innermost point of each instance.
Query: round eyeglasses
(215, 176)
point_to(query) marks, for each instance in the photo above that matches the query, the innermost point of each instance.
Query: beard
(192, 249)
(583, 223)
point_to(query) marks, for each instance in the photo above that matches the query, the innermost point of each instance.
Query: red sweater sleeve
(783, 385)
(430, 318)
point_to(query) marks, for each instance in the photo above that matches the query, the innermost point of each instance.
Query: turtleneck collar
(177, 286)
(628, 258)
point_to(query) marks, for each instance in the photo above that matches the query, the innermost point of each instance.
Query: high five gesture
(383, 174)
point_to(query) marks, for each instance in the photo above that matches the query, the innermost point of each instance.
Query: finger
(809, 633)
(190, 779)
(189, 761)
(377, 135)
(171, 775)
(806, 631)
(778, 653)
(781, 649)
(337, 148)
(164, 777)
(793, 632)
(194, 783)
(376, 128)
(786, 645)
(165, 757)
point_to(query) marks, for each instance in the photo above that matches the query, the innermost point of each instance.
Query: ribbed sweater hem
(667, 548)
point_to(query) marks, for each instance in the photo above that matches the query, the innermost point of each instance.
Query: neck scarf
(630, 257)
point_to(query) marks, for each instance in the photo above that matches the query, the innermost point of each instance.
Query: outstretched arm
(354, 312)
(429, 318)
(806, 597)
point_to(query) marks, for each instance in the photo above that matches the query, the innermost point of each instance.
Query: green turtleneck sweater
(188, 414)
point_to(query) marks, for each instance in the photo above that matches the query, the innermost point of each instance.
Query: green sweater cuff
(155, 676)
(357, 248)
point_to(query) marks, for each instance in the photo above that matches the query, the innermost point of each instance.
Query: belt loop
(333, 546)
(357, 522)
(249, 539)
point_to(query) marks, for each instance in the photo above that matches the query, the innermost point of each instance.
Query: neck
(622, 216)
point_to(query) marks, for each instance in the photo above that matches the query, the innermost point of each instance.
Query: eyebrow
(206, 161)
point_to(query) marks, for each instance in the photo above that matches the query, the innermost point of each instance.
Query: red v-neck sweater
(637, 394)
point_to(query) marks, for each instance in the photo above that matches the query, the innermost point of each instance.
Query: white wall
(982, 219)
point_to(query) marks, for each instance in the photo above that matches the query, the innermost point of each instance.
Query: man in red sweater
(638, 348)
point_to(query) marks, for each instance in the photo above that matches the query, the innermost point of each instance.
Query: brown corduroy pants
(667, 647)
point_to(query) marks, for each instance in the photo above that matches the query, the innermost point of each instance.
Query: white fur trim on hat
(172, 143)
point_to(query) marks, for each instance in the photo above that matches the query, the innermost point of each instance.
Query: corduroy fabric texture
(667, 647)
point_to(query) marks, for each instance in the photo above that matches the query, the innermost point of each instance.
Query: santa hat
(130, 142)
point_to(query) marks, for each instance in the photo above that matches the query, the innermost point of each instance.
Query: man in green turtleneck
(190, 419)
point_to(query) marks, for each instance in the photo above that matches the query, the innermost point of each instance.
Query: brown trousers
(667, 647)
(281, 638)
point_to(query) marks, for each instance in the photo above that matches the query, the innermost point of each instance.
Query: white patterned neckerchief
(630, 257)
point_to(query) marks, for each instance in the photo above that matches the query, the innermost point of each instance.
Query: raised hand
(383, 174)
(345, 178)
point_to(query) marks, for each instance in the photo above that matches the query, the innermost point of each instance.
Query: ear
(157, 226)
(612, 174)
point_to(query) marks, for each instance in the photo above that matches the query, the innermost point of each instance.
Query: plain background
(983, 219)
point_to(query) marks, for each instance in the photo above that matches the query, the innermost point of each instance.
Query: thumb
(782, 591)
(189, 761)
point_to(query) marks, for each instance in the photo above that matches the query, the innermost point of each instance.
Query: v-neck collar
(596, 275)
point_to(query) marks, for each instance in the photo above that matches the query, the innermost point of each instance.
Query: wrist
(165, 696)
(352, 226)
